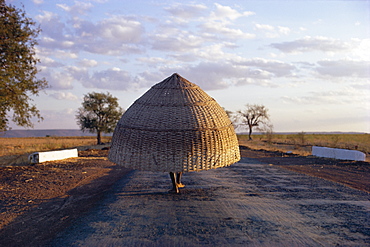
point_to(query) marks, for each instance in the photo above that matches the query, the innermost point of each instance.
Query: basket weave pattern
(175, 126)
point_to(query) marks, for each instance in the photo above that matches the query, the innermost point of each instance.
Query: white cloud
(215, 52)
(222, 74)
(311, 100)
(264, 27)
(120, 28)
(309, 44)
(344, 68)
(209, 76)
(218, 25)
(183, 57)
(52, 26)
(283, 30)
(49, 62)
(114, 79)
(362, 86)
(186, 11)
(64, 96)
(67, 43)
(111, 36)
(148, 78)
(62, 43)
(275, 67)
(119, 34)
(270, 31)
(224, 70)
(360, 49)
(226, 12)
(180, 41)
(153, 61)
(262, 80)
(58, 80)
(226, 32)
(80, 74)
(80, 8)
(88, 63)
(342, 96)
(109, 79)
(64, 54)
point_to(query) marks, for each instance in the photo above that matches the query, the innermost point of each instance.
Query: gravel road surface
(246, 204)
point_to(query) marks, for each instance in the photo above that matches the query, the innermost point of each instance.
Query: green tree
(253, 116)
(18, 70)
(99, 113)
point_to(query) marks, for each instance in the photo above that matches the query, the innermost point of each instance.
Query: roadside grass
(301, 143)
(16, 146)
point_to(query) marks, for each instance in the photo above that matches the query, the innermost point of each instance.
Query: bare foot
(181, 185)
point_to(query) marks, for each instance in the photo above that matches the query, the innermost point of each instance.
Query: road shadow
(41, 223)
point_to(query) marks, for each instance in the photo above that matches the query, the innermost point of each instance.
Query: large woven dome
(175, 126)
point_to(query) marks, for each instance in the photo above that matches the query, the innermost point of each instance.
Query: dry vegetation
(301, 143)
(15, 146)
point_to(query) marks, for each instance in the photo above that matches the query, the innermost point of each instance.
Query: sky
(307, 62)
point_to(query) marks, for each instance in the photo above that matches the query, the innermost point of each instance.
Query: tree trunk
(99, 137)
(250, 132)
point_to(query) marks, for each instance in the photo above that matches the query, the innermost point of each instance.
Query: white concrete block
(40, 157)
(337, 153)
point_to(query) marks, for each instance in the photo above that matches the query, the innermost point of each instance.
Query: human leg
(178, 180)
(175, 188)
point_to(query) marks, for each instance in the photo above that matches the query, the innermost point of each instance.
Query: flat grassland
(15, 146)
(302, 143)
(15, 151)
(299, 143)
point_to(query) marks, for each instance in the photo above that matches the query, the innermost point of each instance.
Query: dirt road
(246, 204)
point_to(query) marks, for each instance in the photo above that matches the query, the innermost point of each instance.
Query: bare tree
(232, 117)
(268, 130)
(253, 116)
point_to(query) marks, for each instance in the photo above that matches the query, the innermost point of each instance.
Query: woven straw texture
(175, 126)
